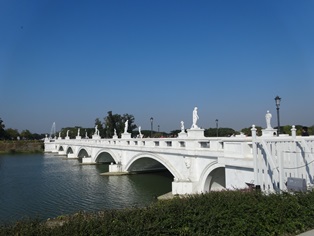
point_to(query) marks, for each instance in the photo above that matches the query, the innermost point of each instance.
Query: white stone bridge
(200, 164)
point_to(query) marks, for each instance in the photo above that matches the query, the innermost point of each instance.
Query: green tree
(286, 129)
(174, 133)
(210, 132)
(72, 131)
(2, 131)
(26, 134)
(311, 130)
(222, 132)
(117, 122)
(12, 133)
(131, 124)
(248, 132)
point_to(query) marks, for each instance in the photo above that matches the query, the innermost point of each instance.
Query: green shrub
(215, 213)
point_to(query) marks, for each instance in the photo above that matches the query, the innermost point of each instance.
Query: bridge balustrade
(278, 158)
(204, 144)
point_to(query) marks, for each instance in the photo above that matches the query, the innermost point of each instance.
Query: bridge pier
(71, 155)
(87, 160)
(182, 187)
(115, 168)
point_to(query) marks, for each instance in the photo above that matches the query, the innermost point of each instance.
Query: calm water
(46, 186)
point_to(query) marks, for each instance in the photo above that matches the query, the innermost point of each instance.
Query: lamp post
(217, 127)
(277, 100)
(151, 126)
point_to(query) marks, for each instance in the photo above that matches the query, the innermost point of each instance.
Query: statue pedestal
(67, 137)
(269, 132)
(78, 137)
(182, 135)
(125, 136)
(95, 136)
(115, 136)
(195, 133)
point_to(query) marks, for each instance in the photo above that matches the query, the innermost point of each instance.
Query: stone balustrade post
(254, 150)
(293, 132)
(253, 130)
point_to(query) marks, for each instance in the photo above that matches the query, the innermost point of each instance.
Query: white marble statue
(182, 127)
(268, 117)
(59, 134)
(115, 132)
(195, 118)
(86, 135)
(139, 130)
(126, 124)
(96, 130)
(78, 132)
(68, 133)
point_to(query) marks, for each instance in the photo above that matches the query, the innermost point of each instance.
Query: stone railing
(278, 158)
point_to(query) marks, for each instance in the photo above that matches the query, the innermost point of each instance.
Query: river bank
(21, 146)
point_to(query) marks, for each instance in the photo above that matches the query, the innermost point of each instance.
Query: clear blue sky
(71, 62)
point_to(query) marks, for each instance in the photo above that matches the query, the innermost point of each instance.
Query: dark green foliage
(248, 132)
(215, 213)
(117, 122)
(222, 132)
(2, 131)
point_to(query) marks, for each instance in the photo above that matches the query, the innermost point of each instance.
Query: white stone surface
(125, 136)
(269, 132)
(195, 133)
(95, 136)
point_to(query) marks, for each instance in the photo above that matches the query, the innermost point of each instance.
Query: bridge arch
(155, 157)
(69, 150)
(60, 148)
(82, 152)
(213, 177)
(105, 155)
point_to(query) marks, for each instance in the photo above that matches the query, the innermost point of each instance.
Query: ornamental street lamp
(277, 100)
(151, 126)
(217, 127)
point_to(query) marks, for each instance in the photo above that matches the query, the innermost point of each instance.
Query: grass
(214, 213)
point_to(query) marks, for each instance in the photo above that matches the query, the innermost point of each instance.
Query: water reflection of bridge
(199, 164)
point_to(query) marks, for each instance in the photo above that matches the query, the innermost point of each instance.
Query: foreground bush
(215, 213)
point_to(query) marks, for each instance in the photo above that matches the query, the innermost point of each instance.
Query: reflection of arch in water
(213, 177)
(147, 185)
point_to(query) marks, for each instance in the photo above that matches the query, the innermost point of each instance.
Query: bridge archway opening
(105, 158)
(145, 165)
(216, 180)
(152, 173)
(82, 153)
(69, 150)
(60, 149)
